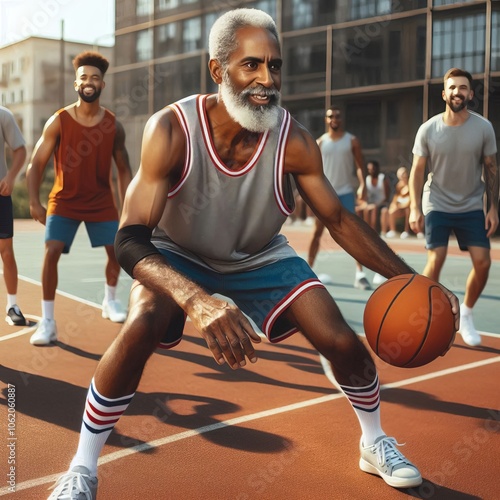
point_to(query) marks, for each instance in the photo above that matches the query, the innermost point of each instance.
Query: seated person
(378, 190)
(400, 206)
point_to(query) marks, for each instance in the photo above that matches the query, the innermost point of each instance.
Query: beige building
(36, 79)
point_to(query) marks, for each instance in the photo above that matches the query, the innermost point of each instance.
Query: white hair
(222, 39)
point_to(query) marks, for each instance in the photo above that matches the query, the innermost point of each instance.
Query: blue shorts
(468, 228)
(64, 229)
(263, 294)
(348, 201)
(6, 218)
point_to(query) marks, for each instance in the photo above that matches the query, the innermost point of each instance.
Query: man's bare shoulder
(53, 124)
(164, 132)
(164, 121)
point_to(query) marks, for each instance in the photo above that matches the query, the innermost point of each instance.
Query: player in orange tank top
(84, 138)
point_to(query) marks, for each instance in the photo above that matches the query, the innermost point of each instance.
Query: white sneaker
(76, 484)
(386, 461)
(45, 333)
(362, 283)
(390, 234)
(404, 235)
(113, 310)
(420, 236)
(378, 279)
(468, 331)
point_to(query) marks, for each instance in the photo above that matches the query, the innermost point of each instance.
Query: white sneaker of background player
(378, 279)
(468, 330)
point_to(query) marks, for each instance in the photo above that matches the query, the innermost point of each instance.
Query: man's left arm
(491, 184)
(18, 159)
(353, 234)
(359, 161)
(120, 155)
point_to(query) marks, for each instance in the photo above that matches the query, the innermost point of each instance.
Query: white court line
(111, 457)
(24, 331)
(37, 318)
(64, 294)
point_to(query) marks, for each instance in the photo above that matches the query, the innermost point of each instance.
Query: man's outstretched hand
(226, 330)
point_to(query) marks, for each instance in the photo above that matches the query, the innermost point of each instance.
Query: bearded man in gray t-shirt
(459, 149)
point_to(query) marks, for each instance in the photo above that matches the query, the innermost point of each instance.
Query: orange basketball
(408, 321)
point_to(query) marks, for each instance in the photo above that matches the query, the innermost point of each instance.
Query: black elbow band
(132, 244)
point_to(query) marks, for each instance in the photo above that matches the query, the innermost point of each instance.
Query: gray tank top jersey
(338, 162)
(227, 220)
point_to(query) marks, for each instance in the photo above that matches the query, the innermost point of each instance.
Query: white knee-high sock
(366, 404)
(99, 418)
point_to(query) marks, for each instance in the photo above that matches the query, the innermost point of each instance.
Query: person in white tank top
(342, 155)
(378, 190)
(280, 292)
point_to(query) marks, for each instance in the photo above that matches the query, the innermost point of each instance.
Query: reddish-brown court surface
(277, 429)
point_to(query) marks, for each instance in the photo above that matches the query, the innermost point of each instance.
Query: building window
(192, 34)
(495, 41)
(379, 52)
(144, 7)
(164, 5)
(494, 106)
(144, 45)
(310, 113)
(175, 80)
(132, 93)
(5, 72)
(167, 39)
(306, 68)
(299, 14)
(364, 118)
(437, 3)
(458, 41)
(368, 8)
(268, 6)
(168, 4)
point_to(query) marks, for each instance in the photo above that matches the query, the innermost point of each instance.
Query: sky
(90, 21)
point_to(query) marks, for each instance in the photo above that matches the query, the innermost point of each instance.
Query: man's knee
(149, 314)
(481, 262)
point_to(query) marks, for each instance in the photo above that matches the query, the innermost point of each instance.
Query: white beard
(255, 119)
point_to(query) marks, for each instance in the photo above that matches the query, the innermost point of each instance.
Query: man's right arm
(359, 161)
(416, 185)
(39, 159)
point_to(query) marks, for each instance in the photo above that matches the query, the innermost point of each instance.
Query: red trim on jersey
(212, 151)
(179, 113)
(165, 345)
(279, 165)
(288, 300)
